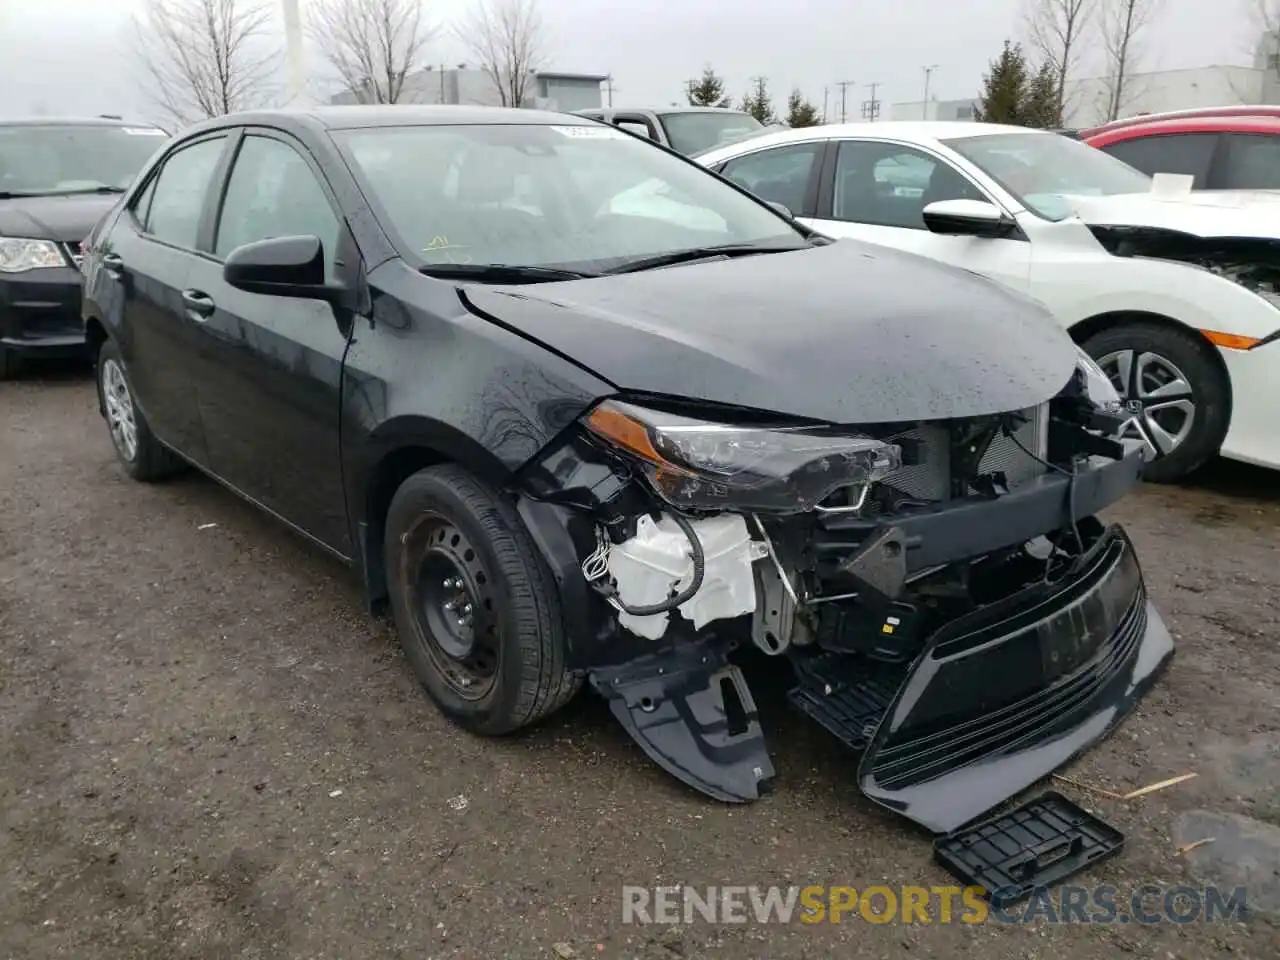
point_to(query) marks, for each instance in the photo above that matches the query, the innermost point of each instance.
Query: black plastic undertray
(1041, 843)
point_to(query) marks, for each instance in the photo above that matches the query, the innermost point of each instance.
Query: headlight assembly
(1097, 384)
(712, 466)
(17, 255)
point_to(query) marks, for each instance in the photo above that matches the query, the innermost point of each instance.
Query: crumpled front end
(942, 592)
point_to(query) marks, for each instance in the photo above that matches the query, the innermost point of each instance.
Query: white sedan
(1177, 295)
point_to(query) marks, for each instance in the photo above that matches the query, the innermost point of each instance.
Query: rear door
(148, 259)
(270, 376)
(877, 190)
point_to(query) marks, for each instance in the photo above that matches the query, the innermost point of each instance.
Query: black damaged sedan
(581, 412)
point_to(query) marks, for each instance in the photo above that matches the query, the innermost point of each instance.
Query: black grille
(1008, 729)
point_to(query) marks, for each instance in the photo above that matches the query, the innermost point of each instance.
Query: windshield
(1043, 170)
(580, 197)
(38, 160)
(691, 133)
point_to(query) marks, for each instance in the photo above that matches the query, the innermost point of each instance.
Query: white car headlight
(1097, 384)
(17, 255)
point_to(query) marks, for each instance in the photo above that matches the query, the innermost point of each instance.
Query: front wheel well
(1091, 326)
(384, 480)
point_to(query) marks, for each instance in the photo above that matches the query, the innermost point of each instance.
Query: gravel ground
(210, 751)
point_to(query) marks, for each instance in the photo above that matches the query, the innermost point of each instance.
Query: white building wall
(1215, 86)
(933, 110)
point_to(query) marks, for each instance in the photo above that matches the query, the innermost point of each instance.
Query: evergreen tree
(1043, 107)
(800, 112)
(707, 90)
(758, 103)
(1005, 88)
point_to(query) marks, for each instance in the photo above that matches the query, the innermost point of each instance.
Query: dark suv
(565, 441)
(57, 179)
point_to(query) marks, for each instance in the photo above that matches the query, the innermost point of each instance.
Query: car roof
(664, 110)
(1215, 124)
(1232, 110)
(911, 131)
(356, 117)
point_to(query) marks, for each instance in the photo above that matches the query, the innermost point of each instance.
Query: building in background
(1160, 90)
(935, 109)
(471, 86)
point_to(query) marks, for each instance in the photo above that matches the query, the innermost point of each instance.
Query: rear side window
(1253, 162)
(178, 195)
(1184, 153)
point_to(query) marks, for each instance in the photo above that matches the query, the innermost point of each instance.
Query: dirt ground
(209, 751)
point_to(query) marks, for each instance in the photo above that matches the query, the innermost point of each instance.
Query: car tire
(1155, 354)
(143, 457)
(10, 364)
(475, 606)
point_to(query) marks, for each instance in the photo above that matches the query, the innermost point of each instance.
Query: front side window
(1183, 153)
(179, 194)
(273, 192)
(43, 160)
(1044, 171)
(589, 197)
(889, 185)
(780, 175)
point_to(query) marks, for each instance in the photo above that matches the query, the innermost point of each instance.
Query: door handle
(113, 263)
(199, 305)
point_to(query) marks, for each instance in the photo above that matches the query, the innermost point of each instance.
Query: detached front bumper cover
(1005, 696)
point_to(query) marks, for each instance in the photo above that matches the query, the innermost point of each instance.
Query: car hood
(844, 333)
(68, 219)
(1201, 213)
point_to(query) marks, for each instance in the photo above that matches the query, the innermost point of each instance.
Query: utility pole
(295, 57)
(924, 108)
(609, 88)
(844, 86)
(826, 97)
(871, 108)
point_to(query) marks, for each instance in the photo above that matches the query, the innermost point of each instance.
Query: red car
(1223, 151)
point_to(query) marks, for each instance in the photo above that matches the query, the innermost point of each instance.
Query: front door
(271, 370)
(150, 254)
(877, 191)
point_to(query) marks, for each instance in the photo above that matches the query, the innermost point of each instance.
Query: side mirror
(280, 267)
(782, 208)
(974, 218)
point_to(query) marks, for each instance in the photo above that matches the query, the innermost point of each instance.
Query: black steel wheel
(476, 608)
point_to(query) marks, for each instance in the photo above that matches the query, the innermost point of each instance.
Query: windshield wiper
(501, 273)
(699, 253)
(101, 188)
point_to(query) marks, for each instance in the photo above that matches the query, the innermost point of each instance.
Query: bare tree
(372, 44)
(1124, 22)
(506, 37)
(1055, 28)
(206, 58)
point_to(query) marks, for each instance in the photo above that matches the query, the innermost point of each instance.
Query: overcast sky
(77, 56)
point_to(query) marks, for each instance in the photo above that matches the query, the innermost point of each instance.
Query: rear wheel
(1174, 389)
(139, 452)
(476, 609)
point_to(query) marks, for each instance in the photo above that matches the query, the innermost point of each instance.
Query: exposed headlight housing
(700, 465)
(1098, 386)
(18, 255)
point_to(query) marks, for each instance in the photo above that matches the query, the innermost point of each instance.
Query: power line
(844, 86)
(871, 108)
